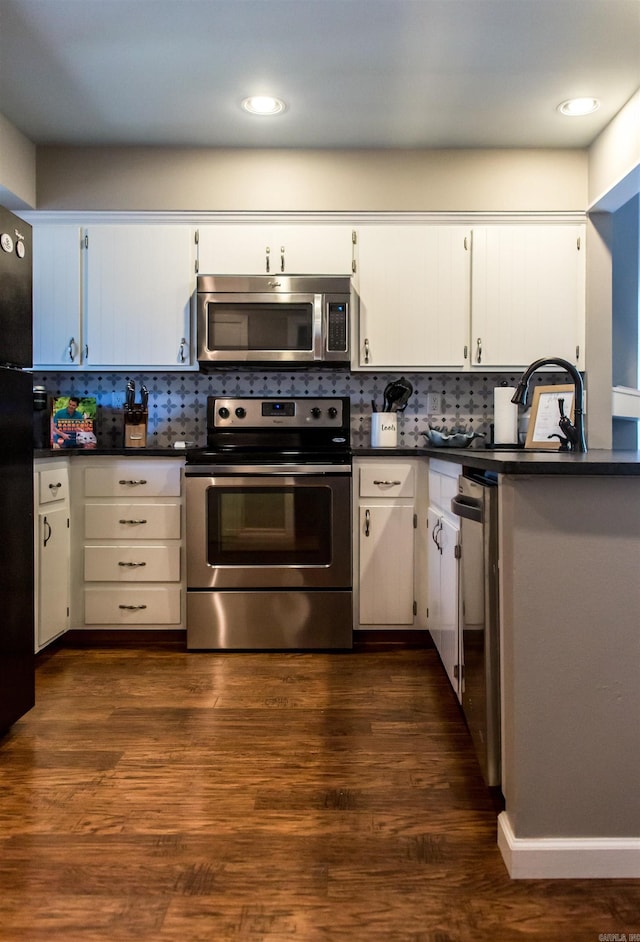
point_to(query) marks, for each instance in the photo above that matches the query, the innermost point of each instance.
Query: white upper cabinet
(112, 296)
(413, 284)
(138, 286)
(57, 308)
(236, 249)
(528, 294)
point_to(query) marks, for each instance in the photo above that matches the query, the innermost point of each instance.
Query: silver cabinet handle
(389, 483)
(133, 483)
(50, 531)
(367, 352)
(479, 350)
(132, 608)
(131, 565)
(267, 266)
(183, 343)
(70, 350)
(367, 522)
(54, 487)
(282, 258)
(435, 532)
(132, 521)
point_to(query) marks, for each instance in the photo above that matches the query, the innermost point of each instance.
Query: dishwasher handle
(468, 507)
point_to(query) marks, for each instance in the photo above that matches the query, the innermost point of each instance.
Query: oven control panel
(277, 413)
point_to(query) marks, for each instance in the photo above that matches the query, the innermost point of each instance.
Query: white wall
(614, 160)
(176, 179)
(17, 168)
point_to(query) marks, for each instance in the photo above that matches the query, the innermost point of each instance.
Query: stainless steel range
(268, 514)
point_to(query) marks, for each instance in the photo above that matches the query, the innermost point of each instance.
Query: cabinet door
(139, 282)
(528, 294)
(443, 582)
(235, 249)
(413, 285)
(386, 564)
(433, 578)
(449, 625)
(53, 555)
(57, 313)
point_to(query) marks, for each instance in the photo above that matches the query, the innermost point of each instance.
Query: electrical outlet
(434, 403)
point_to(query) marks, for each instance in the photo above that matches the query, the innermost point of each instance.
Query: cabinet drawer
(387, 480)
(132, 563)
(54, 485)
(139, 605)
(137, 521)
(137, 479)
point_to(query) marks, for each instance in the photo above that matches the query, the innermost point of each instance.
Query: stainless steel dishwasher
(477, 506)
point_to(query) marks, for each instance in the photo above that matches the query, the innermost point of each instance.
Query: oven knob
(332, 412)
(240, 412)
(223, 412)
(316, 412)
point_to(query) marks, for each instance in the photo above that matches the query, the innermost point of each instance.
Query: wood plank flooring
(155, 794)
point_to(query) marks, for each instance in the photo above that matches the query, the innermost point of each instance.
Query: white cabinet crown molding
(93, 217)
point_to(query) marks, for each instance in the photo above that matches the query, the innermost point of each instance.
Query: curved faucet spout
(577, 440)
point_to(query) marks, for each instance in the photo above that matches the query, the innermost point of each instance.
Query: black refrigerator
(17, 663)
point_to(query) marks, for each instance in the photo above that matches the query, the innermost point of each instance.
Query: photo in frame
(545, 415)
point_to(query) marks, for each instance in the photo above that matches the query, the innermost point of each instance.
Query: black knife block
(136, 421)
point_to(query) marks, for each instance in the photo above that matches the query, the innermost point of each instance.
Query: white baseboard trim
(576, 858)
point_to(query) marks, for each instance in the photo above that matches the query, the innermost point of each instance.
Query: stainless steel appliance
(477, 505)
(273, 320)
(268, 514)
(16, 471)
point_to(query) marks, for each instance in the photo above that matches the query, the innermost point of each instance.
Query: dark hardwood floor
(154, 794)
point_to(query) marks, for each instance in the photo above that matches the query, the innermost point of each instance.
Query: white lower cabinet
(129, 561)
(385, 529)
(443, 565)
(52, 551)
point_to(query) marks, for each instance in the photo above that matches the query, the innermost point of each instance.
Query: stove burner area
(268, 516)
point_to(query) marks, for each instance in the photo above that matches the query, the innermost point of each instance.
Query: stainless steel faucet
(574, 432)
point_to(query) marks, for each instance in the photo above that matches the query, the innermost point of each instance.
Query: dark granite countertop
(109, 452)
(519, 461)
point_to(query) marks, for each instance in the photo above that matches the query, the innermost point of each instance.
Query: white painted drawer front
(387, 480)
(132, 521)
(132, 563)
(134, 605)
(133, 479)
(54, 485)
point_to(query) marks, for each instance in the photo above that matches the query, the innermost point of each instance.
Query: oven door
(268, 531)
(259, 328)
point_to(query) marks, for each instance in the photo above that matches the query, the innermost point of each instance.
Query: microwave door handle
(319, 315)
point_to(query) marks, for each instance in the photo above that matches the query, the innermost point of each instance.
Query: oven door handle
(283, 470)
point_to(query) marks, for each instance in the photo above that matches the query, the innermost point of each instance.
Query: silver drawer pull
(141, 481)
(54, 487)
(131, 565)
(132, 608)
(132, 521)
(388, 483)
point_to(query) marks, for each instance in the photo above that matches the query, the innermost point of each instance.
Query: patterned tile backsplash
(178, 401)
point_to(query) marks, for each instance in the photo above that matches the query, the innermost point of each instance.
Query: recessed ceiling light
(576, 107)
(263, 105)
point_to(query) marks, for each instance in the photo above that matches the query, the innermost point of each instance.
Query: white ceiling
(355, 73)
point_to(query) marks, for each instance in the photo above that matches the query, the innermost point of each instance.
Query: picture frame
(545, 415)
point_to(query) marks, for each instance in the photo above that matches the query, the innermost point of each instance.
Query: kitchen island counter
(519, 461)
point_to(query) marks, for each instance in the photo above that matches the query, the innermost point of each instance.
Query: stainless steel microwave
(273, 320)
